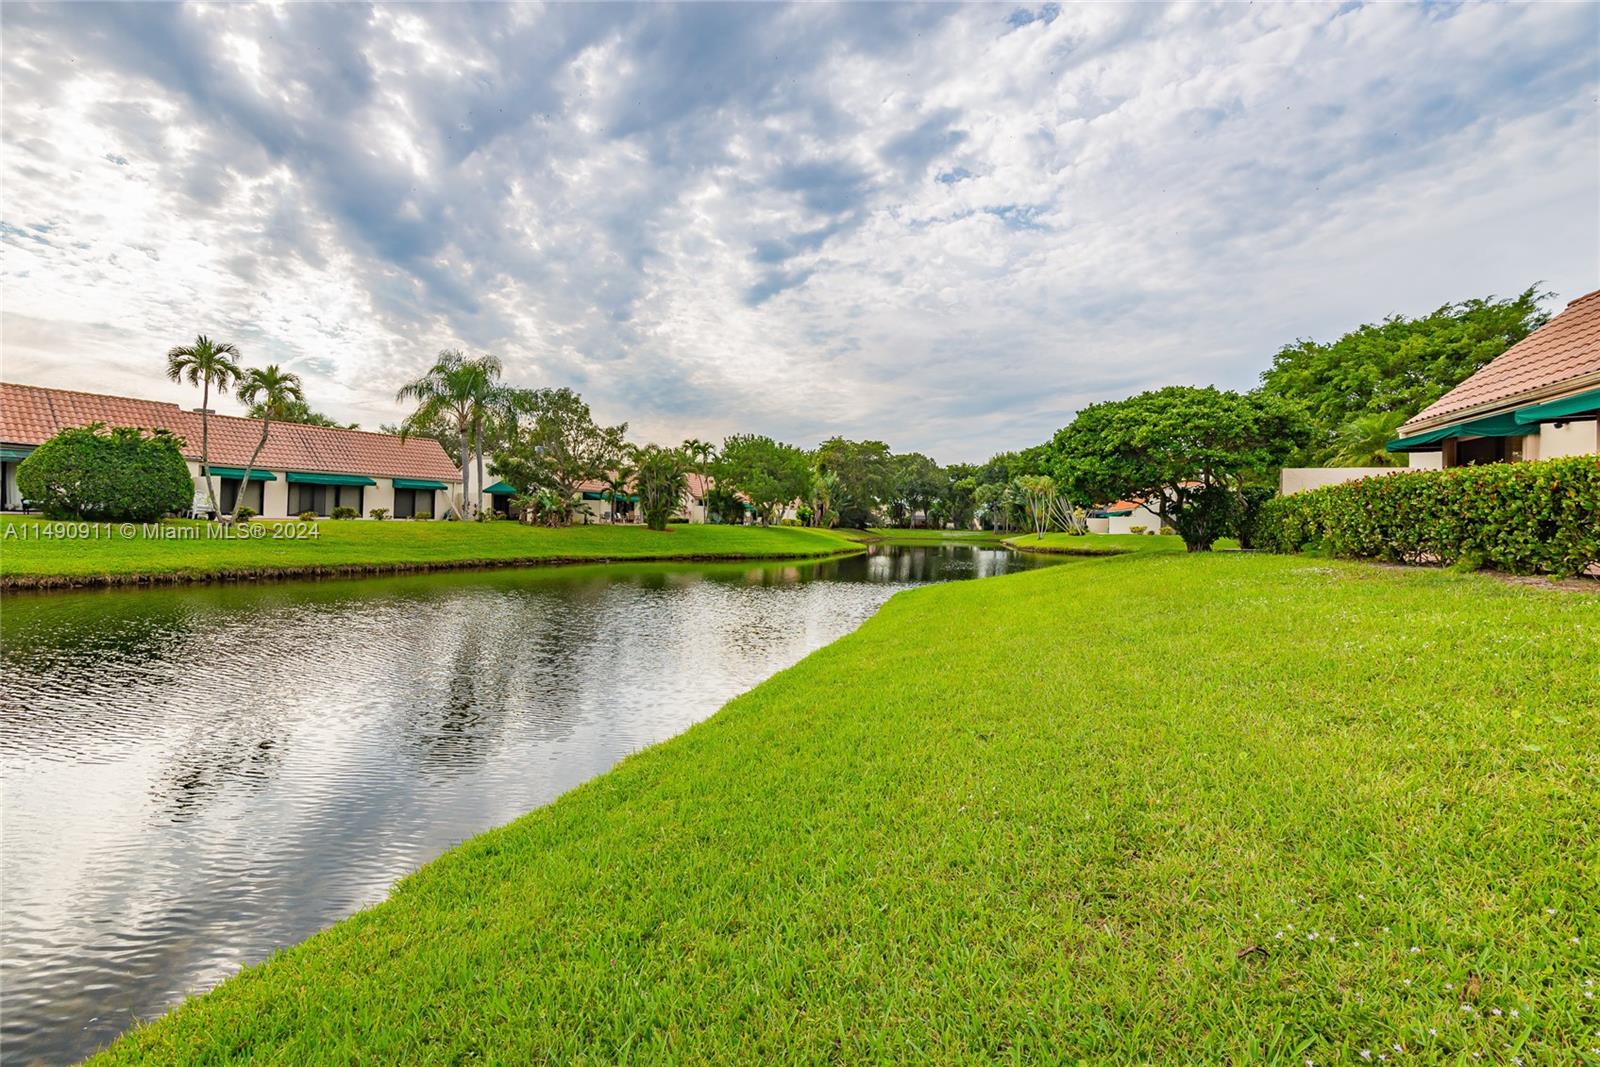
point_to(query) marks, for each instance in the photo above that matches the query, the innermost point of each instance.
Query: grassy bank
(104, 555)
(1152, 808)
(1104, 544)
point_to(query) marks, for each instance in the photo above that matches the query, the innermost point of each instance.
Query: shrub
(1167, 531)
(790, 522)
(118, 475)
(246, 514)
(679, 520)
(308, 516)
(1137, 529)
(423, 516)
(345, 513)
(1247, 515)
(1526, 518)
(379, 513)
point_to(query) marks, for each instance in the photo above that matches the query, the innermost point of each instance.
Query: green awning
(589, 495)
(501, 489)
(1505, 425)
(417, 483)
(12, 455)
(1568, 406)
(308, 478)
(256, 475)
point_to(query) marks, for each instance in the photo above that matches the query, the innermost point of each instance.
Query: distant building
(1540, 399)
(301, 469)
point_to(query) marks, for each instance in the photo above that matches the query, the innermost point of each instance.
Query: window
(312, 498)
(349, 496)
(228, 495)
(1480, 450)
(407, 502)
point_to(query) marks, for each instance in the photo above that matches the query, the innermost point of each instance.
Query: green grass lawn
(1105, 544)
(354, 544)
(1159, 807)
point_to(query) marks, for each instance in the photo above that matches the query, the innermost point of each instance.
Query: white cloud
(931, 226)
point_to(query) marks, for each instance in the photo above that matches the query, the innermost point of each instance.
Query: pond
(194, 777)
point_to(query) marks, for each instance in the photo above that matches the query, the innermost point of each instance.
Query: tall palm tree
(274, 392)
(461, 392)
(206, 363)
(702, 452)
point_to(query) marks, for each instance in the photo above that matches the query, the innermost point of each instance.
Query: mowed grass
(85, 550)
(1157, 808)
(1105, 544)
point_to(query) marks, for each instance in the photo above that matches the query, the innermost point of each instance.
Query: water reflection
(195, 777)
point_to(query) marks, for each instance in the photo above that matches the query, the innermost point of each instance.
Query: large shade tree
(210, 365)
(1382, 373)
(269, 391)
(770, 474)
(555, 444)
(865, 476)
(1188, 451)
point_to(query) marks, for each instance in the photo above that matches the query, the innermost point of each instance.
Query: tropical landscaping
(1156, 807)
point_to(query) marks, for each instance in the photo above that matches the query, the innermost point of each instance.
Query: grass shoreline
(961, 834)
(353, 549)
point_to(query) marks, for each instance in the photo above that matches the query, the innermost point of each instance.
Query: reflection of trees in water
(215, 763)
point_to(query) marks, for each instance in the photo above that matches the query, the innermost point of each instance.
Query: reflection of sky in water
(195, 777)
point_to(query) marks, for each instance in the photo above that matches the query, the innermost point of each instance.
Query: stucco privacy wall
(1557, 439)
(1300, 479)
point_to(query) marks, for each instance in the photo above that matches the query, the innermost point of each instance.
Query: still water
(195, 777)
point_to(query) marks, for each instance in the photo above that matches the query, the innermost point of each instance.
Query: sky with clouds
(946, 227)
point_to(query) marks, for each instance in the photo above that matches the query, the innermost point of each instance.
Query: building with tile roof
(301, 468)
(1540, 399)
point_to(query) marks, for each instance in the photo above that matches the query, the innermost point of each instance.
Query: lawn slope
(1152, 808)
(107, 557)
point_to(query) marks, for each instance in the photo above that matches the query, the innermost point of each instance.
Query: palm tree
(461, 392)
(205, 363)
(273, 392)
(617, 483)
(702, 452)
(1360, 442)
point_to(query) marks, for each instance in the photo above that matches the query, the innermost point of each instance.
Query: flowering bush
(1525, 518)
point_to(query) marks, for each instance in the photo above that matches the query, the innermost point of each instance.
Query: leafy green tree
(300, 413)
(1397, 366)
(210, 365)
(663, 483)
(865, 473)
(917, 483)
(960, 498)
(268, 390)
(1188, 450)
(557, 445)
(460, 393)
(116, 475)
(771, 475)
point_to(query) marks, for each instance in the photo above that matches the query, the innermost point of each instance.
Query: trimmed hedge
(1525, 518)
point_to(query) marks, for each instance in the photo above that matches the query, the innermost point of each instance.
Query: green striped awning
(1579, 404)
(316, 478)
(1505, 425)
(607, 495)
(417, 483)
(11, 455)
(502, 489)
(256, 474)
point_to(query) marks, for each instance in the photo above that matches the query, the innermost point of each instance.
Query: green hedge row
(1526, 518)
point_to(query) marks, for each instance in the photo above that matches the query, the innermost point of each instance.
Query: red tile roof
(30, 415)
(1565, 349)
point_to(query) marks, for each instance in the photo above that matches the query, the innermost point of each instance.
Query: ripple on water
(193, 778)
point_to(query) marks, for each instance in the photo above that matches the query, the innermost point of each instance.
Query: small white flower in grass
(1517, 1060)
(1405, 981)
(1588, 994)
(1515, 1014)
(1397, 1048)
(1447, 985)
(1312, 936)
(1278, 935)
(1385, 929)
(1495, 1011)
(1468, 1007)
(1549, 911)
(1574, 940)
(1415, 950)
(1366, 1054)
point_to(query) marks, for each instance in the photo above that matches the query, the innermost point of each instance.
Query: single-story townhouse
(1122, 516)
(1539, 399)
(301, 469)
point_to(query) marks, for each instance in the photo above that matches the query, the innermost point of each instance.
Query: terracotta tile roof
(1566, 348)
(30, 415)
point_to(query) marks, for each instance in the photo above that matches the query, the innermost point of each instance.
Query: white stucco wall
(1578, 438)
(1425, 461)
(1300, 479)
(1140, 516)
